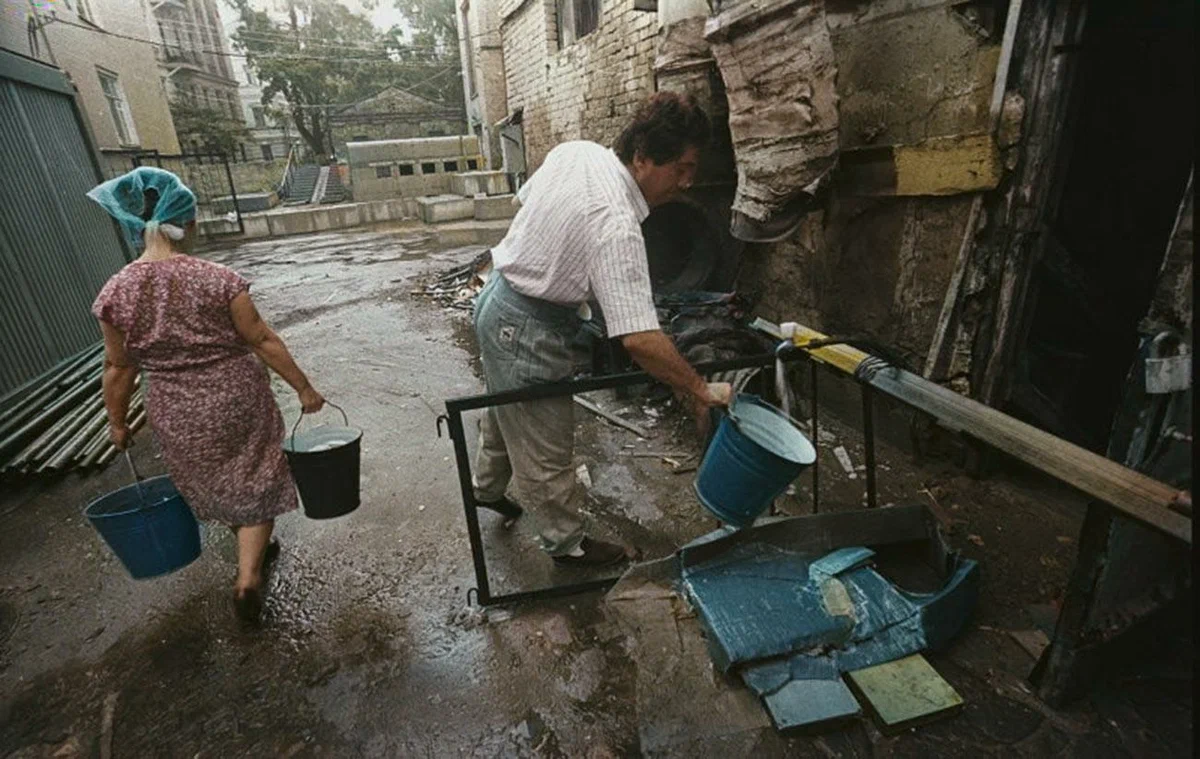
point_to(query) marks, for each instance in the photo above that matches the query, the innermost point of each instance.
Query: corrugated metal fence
(57, 248)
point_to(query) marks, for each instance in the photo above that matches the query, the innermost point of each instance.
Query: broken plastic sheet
(834, 612)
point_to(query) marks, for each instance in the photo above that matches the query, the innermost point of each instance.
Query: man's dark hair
(663, 127)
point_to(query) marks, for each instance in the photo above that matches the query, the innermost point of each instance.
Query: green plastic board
(903, 693)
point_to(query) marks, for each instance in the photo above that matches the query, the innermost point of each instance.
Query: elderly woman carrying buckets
(191, 326)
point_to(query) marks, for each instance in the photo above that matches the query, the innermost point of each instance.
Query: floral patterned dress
(209, 398)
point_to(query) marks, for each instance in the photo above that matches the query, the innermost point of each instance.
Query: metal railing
(289, 172)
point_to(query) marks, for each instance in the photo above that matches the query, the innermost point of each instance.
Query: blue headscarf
(125, 200)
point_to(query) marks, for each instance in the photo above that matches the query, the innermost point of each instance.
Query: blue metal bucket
(756, 453)
(148, 526)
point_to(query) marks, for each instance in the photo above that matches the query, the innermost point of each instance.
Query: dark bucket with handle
(325, 464)
(147, 525)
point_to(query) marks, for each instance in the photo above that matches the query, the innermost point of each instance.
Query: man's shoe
(503, 507)
(593, 553)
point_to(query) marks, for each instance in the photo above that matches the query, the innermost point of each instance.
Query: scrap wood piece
(904, 693)
(942, 515)
(951, 165)
(683, 710)
(843, 458)
(613, 418)
(106, 725)
(1033, 641)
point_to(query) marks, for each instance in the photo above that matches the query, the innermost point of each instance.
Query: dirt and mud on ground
(369, 647)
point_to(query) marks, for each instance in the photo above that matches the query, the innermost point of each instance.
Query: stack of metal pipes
(57, 422)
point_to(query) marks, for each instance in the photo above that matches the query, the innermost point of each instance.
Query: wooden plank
(1033, 641)
(904, 693)
(1132, 493)
(639, 431)
(940, 166)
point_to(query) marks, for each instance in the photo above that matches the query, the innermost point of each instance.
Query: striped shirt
(578, 236)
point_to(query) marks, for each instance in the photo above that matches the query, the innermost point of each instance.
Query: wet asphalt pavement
(369, 647)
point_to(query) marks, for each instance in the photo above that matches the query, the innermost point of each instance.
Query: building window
(119, 108)
(472, 164)
(450, 166)
(407, 169)
(383, 172)
(429, 168)
(266, 153)
(260, 118)
(576, 19)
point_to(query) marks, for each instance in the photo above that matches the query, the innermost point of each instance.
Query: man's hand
(654, 352)
(715, 395)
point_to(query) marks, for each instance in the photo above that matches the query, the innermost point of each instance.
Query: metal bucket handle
(345, 420)
(137, 478)
(716, 414)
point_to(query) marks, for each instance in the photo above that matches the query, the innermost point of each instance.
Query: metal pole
(812, 362)
(868, 411)
(454, 419)
(233, 193)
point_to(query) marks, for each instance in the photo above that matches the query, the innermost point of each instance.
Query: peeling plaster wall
(908, 70)
(881, 266)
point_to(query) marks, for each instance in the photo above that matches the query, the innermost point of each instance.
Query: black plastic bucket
(325, 464)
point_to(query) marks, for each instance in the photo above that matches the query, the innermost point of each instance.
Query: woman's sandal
(248, 606)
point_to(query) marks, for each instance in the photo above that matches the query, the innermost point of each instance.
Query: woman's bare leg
(252, 544)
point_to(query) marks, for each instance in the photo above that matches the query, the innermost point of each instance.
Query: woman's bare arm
(270, 348)
(120, 374)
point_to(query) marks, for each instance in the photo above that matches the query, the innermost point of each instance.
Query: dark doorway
(1124, 170)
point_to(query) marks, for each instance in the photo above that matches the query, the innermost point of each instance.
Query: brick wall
(588, 89)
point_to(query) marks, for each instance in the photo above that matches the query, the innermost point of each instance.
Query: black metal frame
(456, 406)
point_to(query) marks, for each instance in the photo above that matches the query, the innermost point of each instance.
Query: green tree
(325, 56)
(433, 23)
(212, 130)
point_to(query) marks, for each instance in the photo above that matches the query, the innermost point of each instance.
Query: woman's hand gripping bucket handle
(345, 421)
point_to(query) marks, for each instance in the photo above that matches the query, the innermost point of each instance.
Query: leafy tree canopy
(207, 128)
(324, 56)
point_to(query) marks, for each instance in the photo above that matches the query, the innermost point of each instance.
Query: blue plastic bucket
(756, 453)
(148, 526)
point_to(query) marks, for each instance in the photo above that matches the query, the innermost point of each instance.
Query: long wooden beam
(1132, 493)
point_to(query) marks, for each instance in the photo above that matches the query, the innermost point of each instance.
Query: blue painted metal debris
(790, 622)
